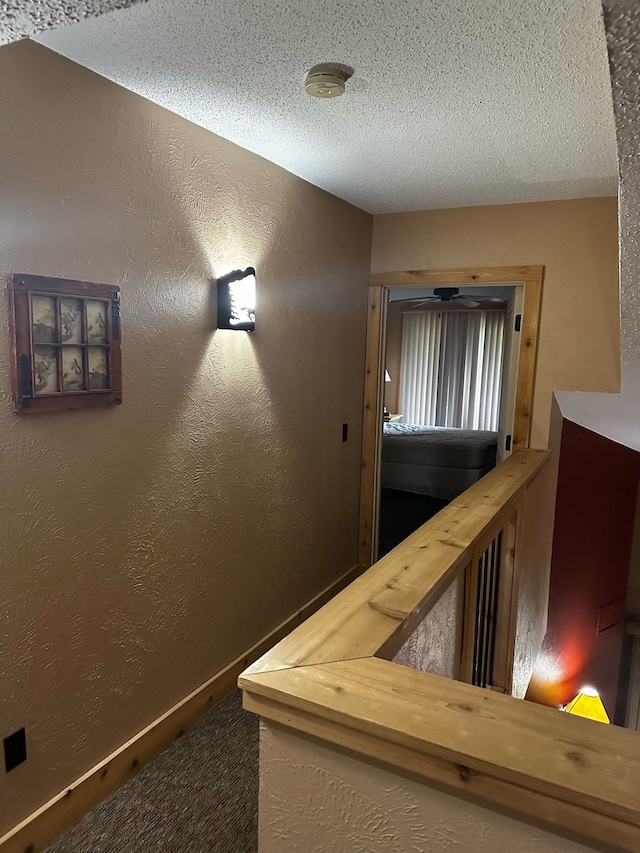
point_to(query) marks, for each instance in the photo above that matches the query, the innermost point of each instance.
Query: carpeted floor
(401, 513)
(199, 796)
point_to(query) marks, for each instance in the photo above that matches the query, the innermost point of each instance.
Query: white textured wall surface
(22, 18)
(317, 800)
(433, 646)
(614, 416)
(147, 546)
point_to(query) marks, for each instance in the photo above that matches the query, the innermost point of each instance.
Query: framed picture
(65, 344)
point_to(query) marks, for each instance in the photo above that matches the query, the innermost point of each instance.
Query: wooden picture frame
(65, 342)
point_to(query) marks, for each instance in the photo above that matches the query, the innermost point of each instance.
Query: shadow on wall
(594, 524)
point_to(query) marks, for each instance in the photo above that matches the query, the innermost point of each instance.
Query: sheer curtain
(451, 368)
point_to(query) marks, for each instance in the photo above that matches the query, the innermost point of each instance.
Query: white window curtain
(451, 369)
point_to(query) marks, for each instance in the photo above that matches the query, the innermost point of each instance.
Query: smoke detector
(325, 81)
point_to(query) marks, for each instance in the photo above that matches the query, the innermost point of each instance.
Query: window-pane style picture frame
(65, 338)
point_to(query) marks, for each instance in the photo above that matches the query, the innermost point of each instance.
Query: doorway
(518, 289)
(450, 361)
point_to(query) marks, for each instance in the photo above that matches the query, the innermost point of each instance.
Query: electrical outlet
(15, 749)
(345, 432)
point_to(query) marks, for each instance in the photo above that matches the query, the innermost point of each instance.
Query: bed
(437, 461)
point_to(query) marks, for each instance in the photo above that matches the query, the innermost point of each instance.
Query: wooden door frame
(530, 276)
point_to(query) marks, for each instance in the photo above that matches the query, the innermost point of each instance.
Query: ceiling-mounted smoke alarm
(326, 81)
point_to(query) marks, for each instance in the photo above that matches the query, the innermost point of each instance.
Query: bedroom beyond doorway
(451, 354)
(446, 414)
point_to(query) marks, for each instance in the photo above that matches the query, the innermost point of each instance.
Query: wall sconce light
(588, 704)
(237, 300)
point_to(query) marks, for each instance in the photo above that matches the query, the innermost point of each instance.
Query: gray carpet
(199, 796)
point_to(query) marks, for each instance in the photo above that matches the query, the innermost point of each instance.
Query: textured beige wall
(315, 798)
(147, 546)
(434, 645)
(577, 242)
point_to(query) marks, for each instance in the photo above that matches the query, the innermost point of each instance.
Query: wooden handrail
(376, 613)
(327, 679)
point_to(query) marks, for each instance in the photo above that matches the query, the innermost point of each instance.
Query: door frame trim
(531, 277)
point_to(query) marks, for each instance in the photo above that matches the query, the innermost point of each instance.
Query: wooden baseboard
(43, 826)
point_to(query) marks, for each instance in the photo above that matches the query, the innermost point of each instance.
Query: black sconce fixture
(237, 300)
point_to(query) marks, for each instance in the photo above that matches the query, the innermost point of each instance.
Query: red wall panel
(594, 520)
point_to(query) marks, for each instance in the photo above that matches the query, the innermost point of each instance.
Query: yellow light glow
(588, 704)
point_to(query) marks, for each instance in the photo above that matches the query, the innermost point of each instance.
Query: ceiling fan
(452, 294)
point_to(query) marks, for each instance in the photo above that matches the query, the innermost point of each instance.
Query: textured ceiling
(21, 18)
(451, 104)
